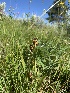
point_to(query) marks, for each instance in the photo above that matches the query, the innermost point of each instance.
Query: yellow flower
(61, 3)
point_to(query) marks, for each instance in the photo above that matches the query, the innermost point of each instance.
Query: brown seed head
(35, 42)
(31, 47)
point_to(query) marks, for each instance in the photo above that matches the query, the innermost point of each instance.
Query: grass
(46, 69)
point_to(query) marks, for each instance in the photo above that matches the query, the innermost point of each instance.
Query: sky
(25, 6)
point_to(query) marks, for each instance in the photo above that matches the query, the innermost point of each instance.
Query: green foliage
(57, 13)
(45, 69)
(2, 8)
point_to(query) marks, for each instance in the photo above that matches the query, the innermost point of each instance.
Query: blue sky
(24, 6)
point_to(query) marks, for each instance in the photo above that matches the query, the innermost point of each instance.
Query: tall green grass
(51, 70)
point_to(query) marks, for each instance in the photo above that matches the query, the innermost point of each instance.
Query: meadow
(44, 70)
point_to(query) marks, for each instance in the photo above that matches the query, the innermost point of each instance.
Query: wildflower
(31, 47)
(35, 42)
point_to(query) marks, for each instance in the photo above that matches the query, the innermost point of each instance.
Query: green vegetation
(46, 69)
(58, 12)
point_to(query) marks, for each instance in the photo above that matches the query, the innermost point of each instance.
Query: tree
(2, 9)
(57, 12)
(67, 21)
(37, 20)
